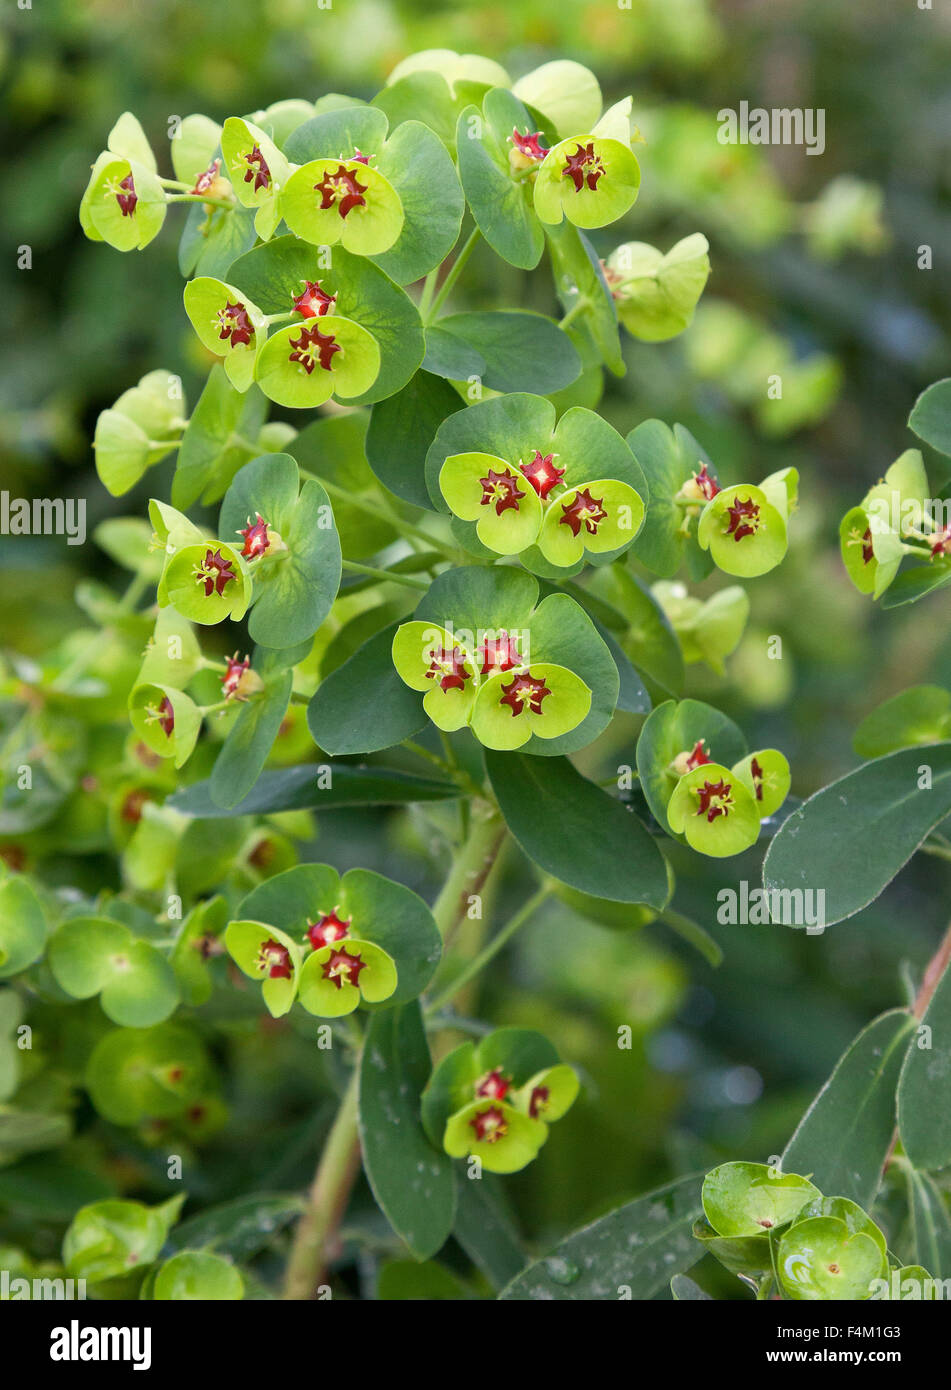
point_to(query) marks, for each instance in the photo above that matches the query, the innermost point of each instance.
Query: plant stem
(371, 508)
(470, 868)
(391, 575)
(486, 954)
(934, 973)
(455, 271)
(327, 1200)
(228, 203)
(582, 305)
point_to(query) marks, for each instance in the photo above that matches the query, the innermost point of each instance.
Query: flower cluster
(718, 809)
(744, 527)
(893, 520)
(771, 1227)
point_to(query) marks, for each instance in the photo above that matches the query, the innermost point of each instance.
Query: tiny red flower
(449, 667)
(499, 654)
(343, 966)
(542, 473)
(312, 303)
(716, 799)
(697, 756)
(255, 538)
(502, 489)
(524, 691)
(261, 174)
(129, 198)
(940, 543)
(358, 157)
(234, 323)
(744, 519)
(207, 177)
(707, 483)
(215, 573)
(166, 717)
(584, 510)
(538, 1101)
(494, 1085)
(231, 680)
(490, 1124)
(756, 772)
(528, 144)
(275, 959)
(584, 158)
(313, 348)
(342, 188)
(327, 929)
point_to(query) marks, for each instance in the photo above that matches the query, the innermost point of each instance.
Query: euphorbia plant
(432, 593)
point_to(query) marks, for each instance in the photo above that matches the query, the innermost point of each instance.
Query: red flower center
(744, 519)
(257, 169)
(313, 303)
(275, 959)
(327, 929)
(715, 799)
(234, 323)
(697, 756)
(343, 188)
(940, 544)
(490, 1125)
(313, 348)
(523, 693)
(449, 667)
(343, 967)
(358, 157)
(214, 572)
(539, 1101)
(502, 489)
(129, 198)
(207, 178)
(756, 772)
(706, 482)
(494, 1085)
(499, 654)
(542, 473)
(528, 144)
(584, 510)
(231, 680)
(583, 168)
(163, 715)
(255, 537)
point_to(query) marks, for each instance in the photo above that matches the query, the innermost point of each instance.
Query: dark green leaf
(501, 205)
(841, 1141)
(250, 739)
(386, 713)
(924, 1091)
(578, 275)
(412, 1182)
(485, 1230)
(208, 459)
(417, 165)
(929, 1225)
(240, 1228)
(210, 242)
(638, 1247)
(298, 789)
(401, 431)
(521, 351)
(931, 416)
(550, 809)
(852, 838)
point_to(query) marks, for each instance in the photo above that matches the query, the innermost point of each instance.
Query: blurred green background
(813, 256)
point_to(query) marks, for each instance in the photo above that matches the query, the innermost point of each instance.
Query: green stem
(201, 198)
(455, 271)
(479, 962)
(429, 286)
(391, 575)
(327, 1200)
(470, 868)
(938, 850)
(371, 508)
(581, 307)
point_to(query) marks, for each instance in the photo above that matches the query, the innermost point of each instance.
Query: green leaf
(638, 1246)
(387, 712)
(486, 1232)
(211, 240)
(579, 277)
(312, 787)
(241, 1228)
(550, 808)
(89, 955)
(924, 1120)
(22, 926)
(930, 1223)
(332, 134)
(921, 714)
(24, 1131)
(686, 1290)
(197, 1275)
(916, 583)
(419, 168)
(208, 459)
(509, 350)
(411, 1181)
(842, 1139)
(669, 458)
(146, 1073)
(501, 205)
(402, 429)
(931, 416)
(853, 837)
